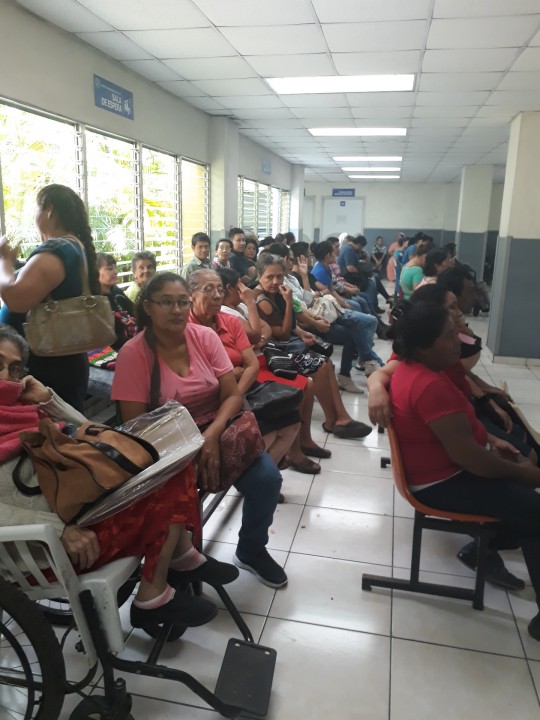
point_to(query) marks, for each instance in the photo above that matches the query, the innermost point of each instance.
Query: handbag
(327, 307)
(74, 472)
(304, 363)
(270, 400)
(322, 347)
(75, 325)
(240, 444)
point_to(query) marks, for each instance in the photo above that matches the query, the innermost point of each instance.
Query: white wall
(406, 205)
(495, 207)
(250, 165)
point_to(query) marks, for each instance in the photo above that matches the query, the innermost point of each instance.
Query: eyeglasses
(210, 290)
(16, 370)
(168, 305)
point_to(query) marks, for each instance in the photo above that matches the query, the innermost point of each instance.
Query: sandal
(307, 466)
(353, 429)
(316, 451)
(327, 429)
(212, 572)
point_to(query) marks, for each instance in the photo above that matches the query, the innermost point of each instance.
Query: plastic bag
(177, 439)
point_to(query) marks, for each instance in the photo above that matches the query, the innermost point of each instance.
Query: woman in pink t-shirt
(447, 463)
(193, 368)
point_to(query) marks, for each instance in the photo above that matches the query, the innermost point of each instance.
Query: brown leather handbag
(74, 472)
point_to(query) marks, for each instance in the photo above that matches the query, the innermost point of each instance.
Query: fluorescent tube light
(374, 177)
(368, 158)
(355, 132)
(371, 169)
(341, 84)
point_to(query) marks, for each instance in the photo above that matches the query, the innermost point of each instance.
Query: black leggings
(517, 506)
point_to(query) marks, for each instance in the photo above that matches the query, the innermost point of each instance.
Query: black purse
(270, 400)
(322, 347)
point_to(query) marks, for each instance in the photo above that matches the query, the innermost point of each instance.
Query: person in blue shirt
(357, 270)
(355, 330)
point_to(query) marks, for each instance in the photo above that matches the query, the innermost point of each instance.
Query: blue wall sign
(343, 192)
(113, 98)
(266, 167)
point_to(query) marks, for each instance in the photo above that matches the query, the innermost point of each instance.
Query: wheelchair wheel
(32, 670)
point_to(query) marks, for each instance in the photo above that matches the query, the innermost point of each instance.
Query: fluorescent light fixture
(341, 84)
(369, 158)
(374, 177)
(355, 132)
(371, 169)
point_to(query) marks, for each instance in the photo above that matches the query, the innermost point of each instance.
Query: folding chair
(428, 518)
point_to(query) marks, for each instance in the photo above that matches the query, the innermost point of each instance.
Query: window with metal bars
(262, 208)
(194, 203)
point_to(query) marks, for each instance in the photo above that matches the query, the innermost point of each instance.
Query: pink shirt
(199, 391)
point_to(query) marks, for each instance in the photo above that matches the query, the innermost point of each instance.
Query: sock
(190, 560)
(165, 597)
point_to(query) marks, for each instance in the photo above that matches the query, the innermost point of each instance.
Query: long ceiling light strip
(341, 84)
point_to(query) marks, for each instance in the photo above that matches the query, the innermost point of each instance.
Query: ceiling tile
(486, 32)
(439, 122)
(482, 8)
(520, 81)
(206, 103)
(67, 14)
(452, 98)
(316, 100)
(405, 35)
(144, 15)
(460, 81)
(463, 60)
(182, 43)
(528, 60)
(182, 88)
(379, 112)
(152, 69)
(245, 86)
(215, 68)
(322, 113)
(291, 65)
(277, 125)
(519, 99)
(438, 111)
(370, 63)
(115, 45)
(254, 113)
(329, 11)
(382, 99)
(240, 12)
(249, 101)
(277, 40)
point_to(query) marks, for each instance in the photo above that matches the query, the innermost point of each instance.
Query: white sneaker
(370, 366)
(345, 383)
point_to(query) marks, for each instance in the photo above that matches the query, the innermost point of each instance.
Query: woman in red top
(447, 462)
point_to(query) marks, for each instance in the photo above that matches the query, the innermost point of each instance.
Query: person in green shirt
(200, 244)
(143, 267)
(412, 273)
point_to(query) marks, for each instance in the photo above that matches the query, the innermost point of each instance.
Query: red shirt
(420, 396)
(232, 335)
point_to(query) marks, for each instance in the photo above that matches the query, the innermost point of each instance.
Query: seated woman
(412, 272)
(281, 435)
(122, 307)
(437, 261)
(275, 306)
(223, 254)
(176, 360)
(143, 267)
(447, 462)
(153, 528)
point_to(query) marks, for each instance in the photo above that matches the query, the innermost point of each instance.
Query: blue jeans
(360, 304)
(260, 485)
(355, 331)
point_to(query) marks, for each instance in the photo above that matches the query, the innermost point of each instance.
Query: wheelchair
(33, 682)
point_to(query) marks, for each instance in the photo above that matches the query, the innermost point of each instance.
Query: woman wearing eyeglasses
(189, 364)
(153, 528)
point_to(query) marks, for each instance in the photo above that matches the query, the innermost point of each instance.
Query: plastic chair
(428, 518)
(246, 674)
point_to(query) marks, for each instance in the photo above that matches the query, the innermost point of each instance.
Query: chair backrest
(400, 480)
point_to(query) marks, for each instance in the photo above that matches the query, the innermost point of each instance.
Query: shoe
(212, 572)
(379, 311)
(534, 627)
(496, 573)
(183, 609)
(281, 499)
(382, 330)
(316, 451)
(371, 366)
(284, 463)
(359, 367)
(307, 466)
(345, 383)
(265, 569)
(354, 429)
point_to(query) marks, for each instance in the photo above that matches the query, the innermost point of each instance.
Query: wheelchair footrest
(245, 678)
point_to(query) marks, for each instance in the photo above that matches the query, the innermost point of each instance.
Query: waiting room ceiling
(476, 62)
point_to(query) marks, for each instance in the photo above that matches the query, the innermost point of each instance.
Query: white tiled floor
(346, 653)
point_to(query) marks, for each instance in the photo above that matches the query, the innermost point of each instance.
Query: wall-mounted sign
(343, 192)
(113, 98)
(266, 167)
